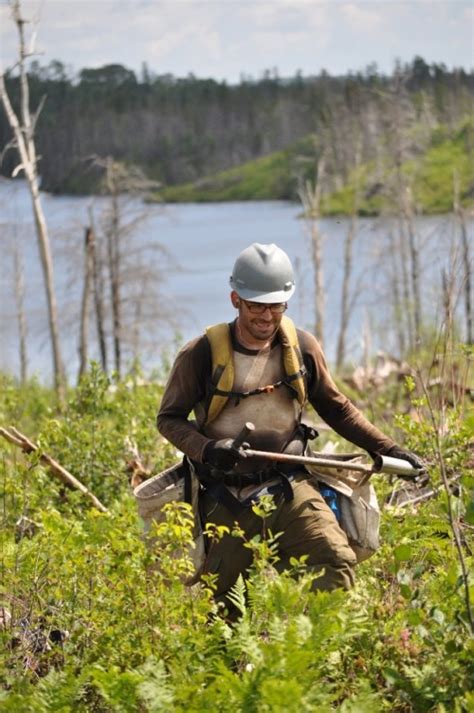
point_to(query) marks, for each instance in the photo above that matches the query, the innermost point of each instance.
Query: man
(260, 368)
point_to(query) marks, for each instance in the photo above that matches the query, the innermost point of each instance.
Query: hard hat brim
(265, 297)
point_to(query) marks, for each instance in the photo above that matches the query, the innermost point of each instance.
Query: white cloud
(223, 38)
(361, 18)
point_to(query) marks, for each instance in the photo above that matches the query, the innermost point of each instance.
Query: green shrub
(133, 637)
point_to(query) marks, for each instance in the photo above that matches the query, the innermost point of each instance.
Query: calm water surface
(202, 241)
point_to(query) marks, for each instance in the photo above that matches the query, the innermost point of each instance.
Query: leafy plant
(94, 619)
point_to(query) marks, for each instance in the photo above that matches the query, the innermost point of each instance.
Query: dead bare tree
(20, 310)
(121, 183)
(23, 128)
(98, 285)
(113, 235)
(310, 196)
(447, 286)
(403, 145)
(86, 290)
(128, 271)
(396, 301)
(407, 207)
(347, 268)
(460, 214)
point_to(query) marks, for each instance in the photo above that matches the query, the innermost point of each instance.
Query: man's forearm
(183, 434)
(350, 423)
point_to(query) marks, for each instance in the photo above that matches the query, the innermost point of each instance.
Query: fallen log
(19, 439)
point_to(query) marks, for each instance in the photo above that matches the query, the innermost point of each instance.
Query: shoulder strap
(222, 377)
(293, 359)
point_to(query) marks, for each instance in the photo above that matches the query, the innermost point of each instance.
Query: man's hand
(222, 454)
(397, 452)
(412, 458)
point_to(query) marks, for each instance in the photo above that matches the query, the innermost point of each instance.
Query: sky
(226, 39)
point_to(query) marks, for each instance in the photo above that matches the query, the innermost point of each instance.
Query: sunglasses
(260, 308)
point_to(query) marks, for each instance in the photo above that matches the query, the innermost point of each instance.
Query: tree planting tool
(381, 464)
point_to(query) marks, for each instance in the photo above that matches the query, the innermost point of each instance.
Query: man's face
(260, 327)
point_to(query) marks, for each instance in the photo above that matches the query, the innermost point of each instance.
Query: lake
(202, 241)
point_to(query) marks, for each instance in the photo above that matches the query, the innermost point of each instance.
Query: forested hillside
(183, 129)
(429, 171)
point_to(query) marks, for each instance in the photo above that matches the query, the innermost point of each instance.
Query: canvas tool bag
(360, 512)
(177, 483)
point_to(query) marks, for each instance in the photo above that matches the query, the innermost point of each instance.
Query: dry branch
(19, 439)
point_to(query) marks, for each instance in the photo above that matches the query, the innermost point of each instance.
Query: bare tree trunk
(467, 281)
(466, 258)
(407, 307)
(400, 112)
(396, 302)
(316, 256)
(367, 341)
(47, 265)
(114, 258)
(447, 300)
(24, 141)
(414, 264)
(311, 199)
(84, 329)
(114, 264)
(136, 330)
(98, 294)
(301, 288)
(20, 299)
(347, 271)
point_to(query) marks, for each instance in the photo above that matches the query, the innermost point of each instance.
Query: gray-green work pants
(308, 527)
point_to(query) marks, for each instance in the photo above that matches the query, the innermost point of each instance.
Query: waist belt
(217, 483)
(241, 480)
(223, 495)
(209, 474)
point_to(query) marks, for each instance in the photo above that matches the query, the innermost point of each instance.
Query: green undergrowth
(275, 177)
(91, 623)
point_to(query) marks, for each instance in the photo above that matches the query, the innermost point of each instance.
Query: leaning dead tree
(23, 126)
(310, 196)
(19, 439)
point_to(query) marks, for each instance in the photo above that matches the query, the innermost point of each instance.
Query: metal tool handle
(242, 437)
(394, 466)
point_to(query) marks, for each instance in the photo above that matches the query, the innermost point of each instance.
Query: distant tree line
(181, 129)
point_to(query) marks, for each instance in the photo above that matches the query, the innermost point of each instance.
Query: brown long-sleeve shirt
(188, 386)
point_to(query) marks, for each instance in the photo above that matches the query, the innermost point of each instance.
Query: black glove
(421, 477)
(222, 454)
(402, 454)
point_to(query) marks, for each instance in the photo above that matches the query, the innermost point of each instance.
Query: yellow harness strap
(223, 363)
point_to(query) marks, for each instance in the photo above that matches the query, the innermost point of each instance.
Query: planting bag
(166, 487)
(360, 512)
